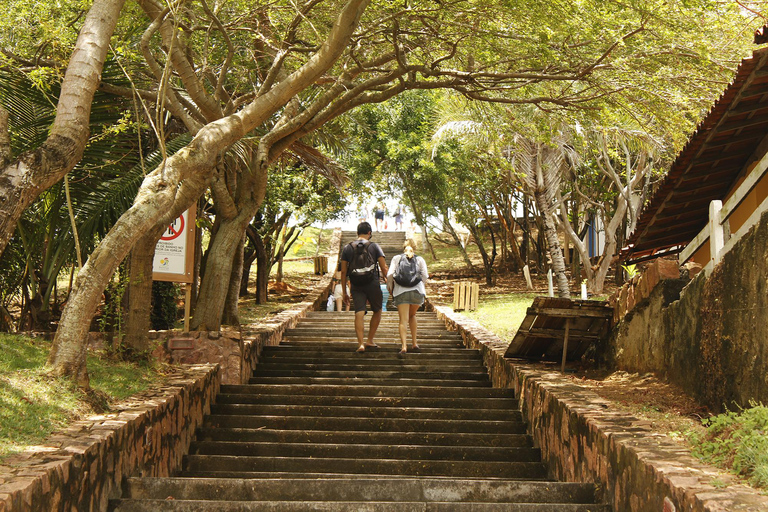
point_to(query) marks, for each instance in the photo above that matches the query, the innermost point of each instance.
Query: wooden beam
(565, 344)
(537, 332)
(570, 313)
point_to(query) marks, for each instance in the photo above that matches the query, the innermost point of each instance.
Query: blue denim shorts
(410, 297)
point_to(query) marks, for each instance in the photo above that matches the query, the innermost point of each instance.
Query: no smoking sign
(175, 229)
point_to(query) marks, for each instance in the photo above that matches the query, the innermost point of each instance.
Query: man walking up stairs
(322, 428)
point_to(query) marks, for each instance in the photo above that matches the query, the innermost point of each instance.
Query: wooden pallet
(555, 328)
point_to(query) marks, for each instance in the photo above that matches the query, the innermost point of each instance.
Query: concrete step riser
(365, 424)
(352, 437)
(366, 451)
(351, 401)
(368, 390)
(471, 469)
(339, 506)
(367, 412)
(372, 374)
(368, 382)
(305, 357)
(380, 364)
(347, 350)
(380, 489)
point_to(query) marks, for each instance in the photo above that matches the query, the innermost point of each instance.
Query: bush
(737, 441)
(164, 308)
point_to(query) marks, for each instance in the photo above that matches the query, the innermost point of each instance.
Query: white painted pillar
(551, 286)
(716, 235)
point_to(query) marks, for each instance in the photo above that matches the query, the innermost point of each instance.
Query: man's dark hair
(364, 228)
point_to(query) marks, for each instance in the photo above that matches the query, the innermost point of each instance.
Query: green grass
(306, 245)
(33, 404)
(502, 314)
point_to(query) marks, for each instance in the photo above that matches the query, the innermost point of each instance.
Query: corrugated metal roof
(708, 166)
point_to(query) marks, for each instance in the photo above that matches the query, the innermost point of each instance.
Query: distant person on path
(378, 215)
(406, 278)
(399, 219)
(360, 262)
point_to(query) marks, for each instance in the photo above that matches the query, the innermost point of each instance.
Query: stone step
(318, 381)
(378, 401)
(341, 506)
(371, 357)
(340, 423)
(383, 363)
(320, 427)
(239, 464)
(363, 389)
(389, 343)
(366, 451)
(371, 373)
(372, 410)
(384, 489)
(389, 349)
(362, 437)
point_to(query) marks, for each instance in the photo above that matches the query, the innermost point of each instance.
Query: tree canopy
(249, 82)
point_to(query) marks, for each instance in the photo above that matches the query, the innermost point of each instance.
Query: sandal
(360, 349)
(372, 345)
(402, 352)
(415, 348)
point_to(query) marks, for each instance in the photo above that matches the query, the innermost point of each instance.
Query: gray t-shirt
(373, 248)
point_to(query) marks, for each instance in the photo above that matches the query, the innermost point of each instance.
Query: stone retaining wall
(583, 440)
(708, 335)
(81, 468)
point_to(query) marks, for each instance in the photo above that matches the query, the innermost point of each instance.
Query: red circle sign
(173, 232)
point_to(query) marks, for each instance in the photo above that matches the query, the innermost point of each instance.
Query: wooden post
(465, 295)
(527, 274)
(321, 264)
(565, 343)
(716, 235)
(187, 305)
(549, 281)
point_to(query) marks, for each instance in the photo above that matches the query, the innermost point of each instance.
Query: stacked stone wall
(709, 335)
(81, 468)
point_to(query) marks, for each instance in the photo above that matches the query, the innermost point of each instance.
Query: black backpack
(362, 267)
(407, 272)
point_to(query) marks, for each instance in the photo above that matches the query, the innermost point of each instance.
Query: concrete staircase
(391, 242)
(320, 427)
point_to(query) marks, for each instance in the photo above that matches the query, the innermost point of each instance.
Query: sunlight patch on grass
(502, 314)
(33, 404)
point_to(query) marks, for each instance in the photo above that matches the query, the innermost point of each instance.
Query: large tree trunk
(67, 356)
(33, 172)
(214, 288)
(174, 187)
(487, 260)
(550, 231)
(263, 268)
(139, 292)
(231, 313)
(449, 228)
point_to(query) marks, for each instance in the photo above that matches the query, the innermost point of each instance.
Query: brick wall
(82, 467)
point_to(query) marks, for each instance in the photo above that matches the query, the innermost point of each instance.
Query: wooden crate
(465, 295)
(321, 264)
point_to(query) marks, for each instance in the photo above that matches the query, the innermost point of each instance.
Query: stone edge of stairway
(637, 468)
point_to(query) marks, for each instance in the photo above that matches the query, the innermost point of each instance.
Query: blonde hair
(410, 242)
